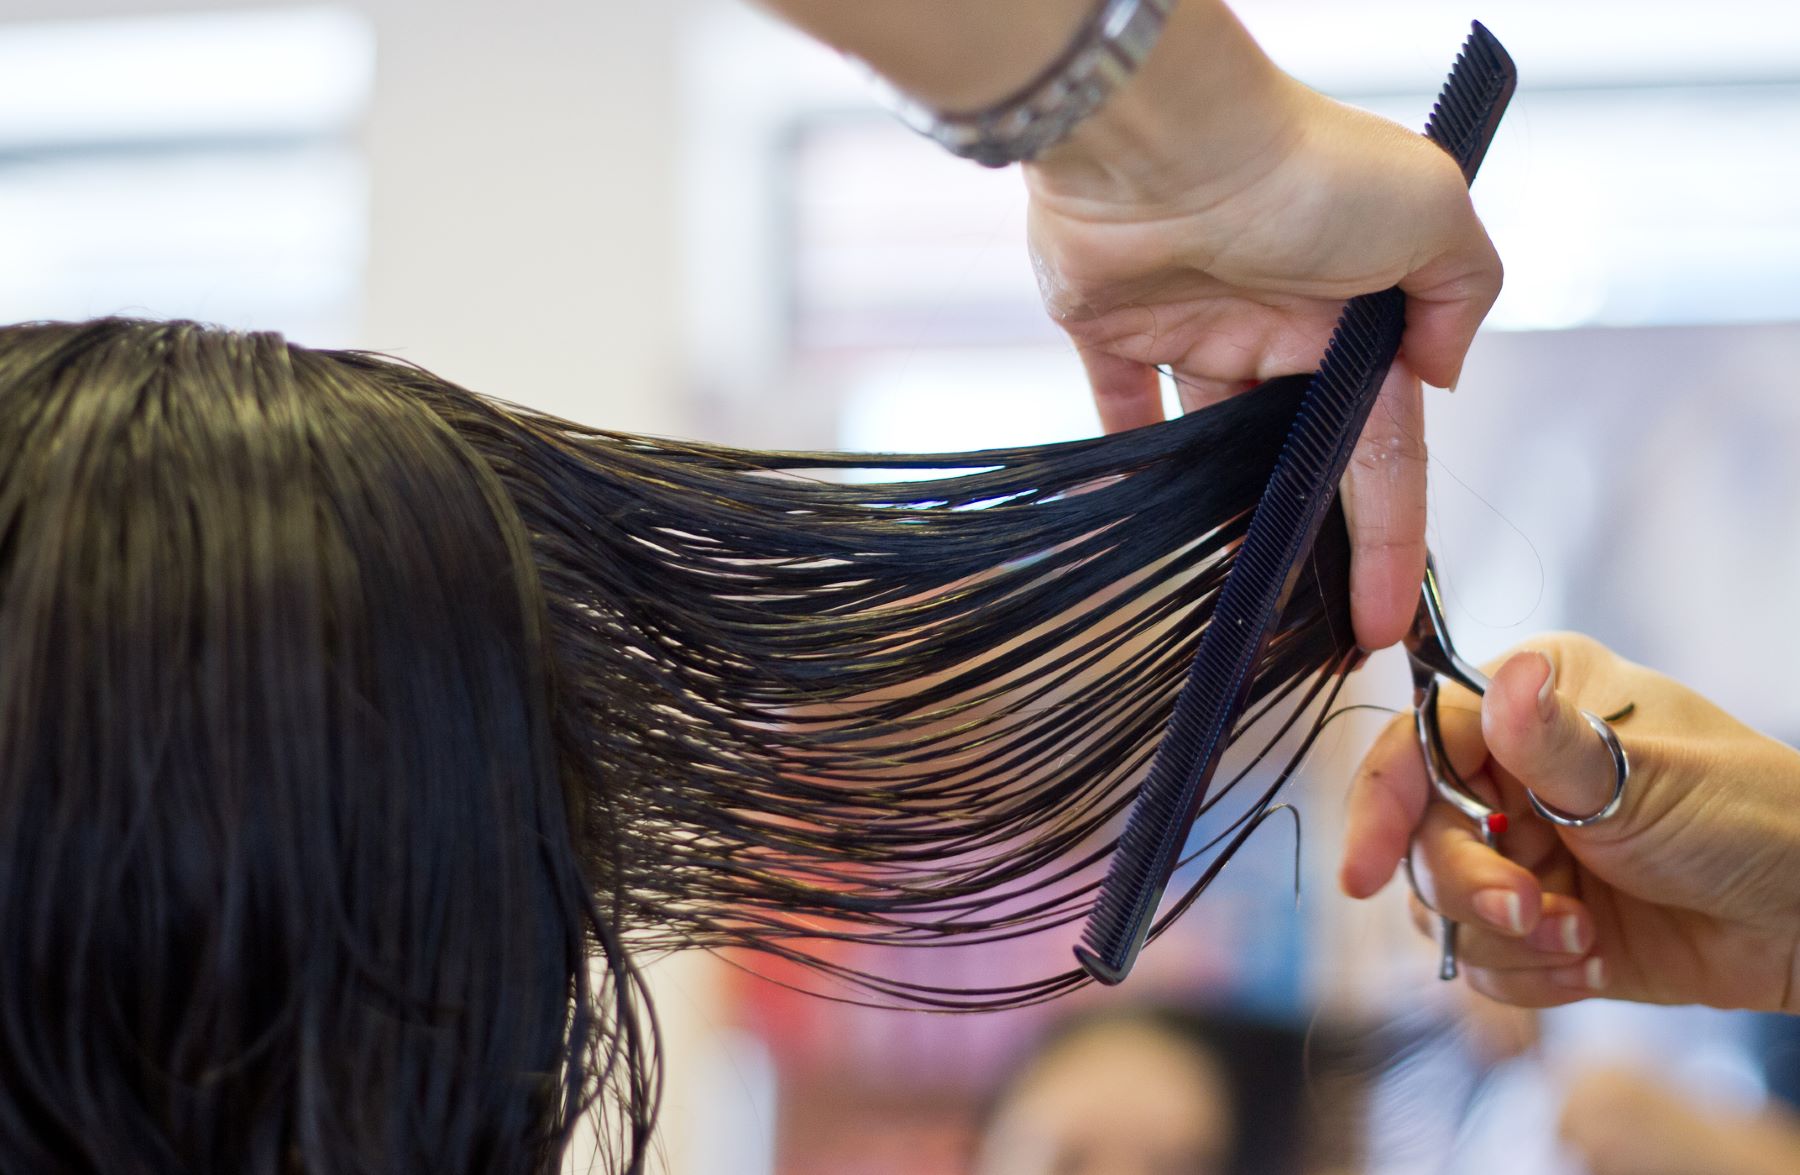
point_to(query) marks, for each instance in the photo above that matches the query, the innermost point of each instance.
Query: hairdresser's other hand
(1622, 1123)
(1690, 893)
(1214, 216)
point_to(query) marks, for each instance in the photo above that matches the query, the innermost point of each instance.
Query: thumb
(1542, 739)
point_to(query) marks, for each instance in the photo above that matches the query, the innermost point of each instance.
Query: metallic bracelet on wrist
(1106, 52)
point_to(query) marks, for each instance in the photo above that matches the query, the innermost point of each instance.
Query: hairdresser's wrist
(1206, 114)
(954, 55)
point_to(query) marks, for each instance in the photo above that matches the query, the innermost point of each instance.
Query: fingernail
(1561, 934)
(1546, 698)
(1501, 908)
(1589, 976)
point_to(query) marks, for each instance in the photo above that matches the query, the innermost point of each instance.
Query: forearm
(1207, 98)
(950, 54)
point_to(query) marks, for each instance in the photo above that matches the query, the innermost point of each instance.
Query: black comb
(1287, 520)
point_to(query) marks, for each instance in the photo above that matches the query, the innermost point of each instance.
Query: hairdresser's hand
(1214, 216)
(1622, 1123)
(1689, 894)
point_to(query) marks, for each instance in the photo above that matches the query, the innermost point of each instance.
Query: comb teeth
(1324, 432)
(1287, 519)
(1468, 109)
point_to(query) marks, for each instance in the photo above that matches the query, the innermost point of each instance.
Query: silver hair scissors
(1433, 659)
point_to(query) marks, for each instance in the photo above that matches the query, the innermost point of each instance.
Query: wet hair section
(347, 716)
(804, 710)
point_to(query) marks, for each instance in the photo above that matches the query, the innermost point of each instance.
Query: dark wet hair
(345, 716)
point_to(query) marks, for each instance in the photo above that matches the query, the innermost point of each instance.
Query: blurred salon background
(675, 216)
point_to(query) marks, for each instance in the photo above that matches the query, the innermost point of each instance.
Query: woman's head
(1124, 1099)
(1154, 1091)
(283, 866)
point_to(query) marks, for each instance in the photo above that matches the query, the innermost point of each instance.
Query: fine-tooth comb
(1294, 504)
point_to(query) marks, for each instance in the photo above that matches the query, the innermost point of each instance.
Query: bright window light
(1387, 46)
(950, 402)
(204, 76)
(187, 166)
(244, 238)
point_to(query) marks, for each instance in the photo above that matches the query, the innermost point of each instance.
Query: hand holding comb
(1294, 504)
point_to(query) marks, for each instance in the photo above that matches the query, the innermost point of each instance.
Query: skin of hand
(1622, 1124)
(1212, 218)
(1690, 893)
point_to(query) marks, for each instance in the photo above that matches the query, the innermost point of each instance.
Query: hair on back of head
(346, 716)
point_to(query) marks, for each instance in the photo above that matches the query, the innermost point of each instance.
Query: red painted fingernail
(1496, 823)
